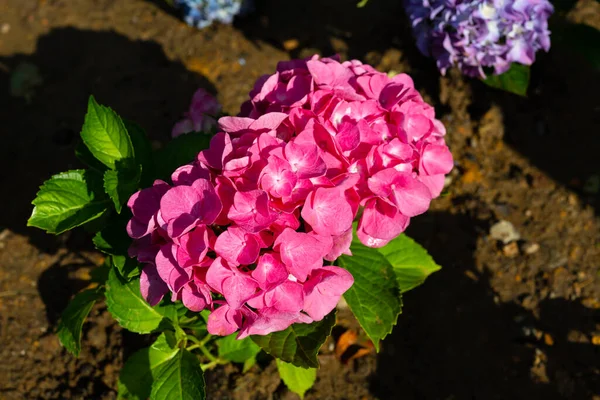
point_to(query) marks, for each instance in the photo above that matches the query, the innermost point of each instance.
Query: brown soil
(498, 322)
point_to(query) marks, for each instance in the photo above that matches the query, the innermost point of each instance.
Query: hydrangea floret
(476, 35)
(251, 228)
(201, 114)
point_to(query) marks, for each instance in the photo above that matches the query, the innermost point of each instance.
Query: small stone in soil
(531, 248)
(511, 250)
(504, 231)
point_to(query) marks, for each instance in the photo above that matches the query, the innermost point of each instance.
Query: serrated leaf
(129, 268)
(179, 151)
(112, 239)
(121, 183)
(235, 350)
(299, 344)
(297, 379)
(68, 200)
(411, 262)
(181, 377)
(515, 80)
(143, 152)
(374, 298)
(73, 317)
(140, 369)
(125, 303)
(85, 156)
(105, 135)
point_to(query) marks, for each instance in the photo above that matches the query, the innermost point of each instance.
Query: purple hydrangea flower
(478, 34)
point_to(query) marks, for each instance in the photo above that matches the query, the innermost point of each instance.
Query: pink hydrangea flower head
(244, 229)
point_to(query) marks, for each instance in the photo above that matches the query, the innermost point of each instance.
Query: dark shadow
(340, 27)
(135, 78)
(456, 340)
(554, 127)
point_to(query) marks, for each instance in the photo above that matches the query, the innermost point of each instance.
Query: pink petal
(237, 246)
(152, 287)
(224, 321)
(323, 290)
(328, 212)
(170, 272)
(341, 245)
(436, 159)
(269, 271)
(251, 211)
(381, 220)
(302, 252)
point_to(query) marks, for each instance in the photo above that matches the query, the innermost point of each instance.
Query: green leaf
(181, 377)
(85, 156)
(73, 317)
(140, 370)
(125, 303)
(235, 350)
(374, 298)
(362, 3)
(127, 267)
(113, 239)
(515, 80)
(120, 184)
(411, 262)
(67, 200)
(297, 379)
(179, 151)
(105, 135)
(298, 344)
(143, 152)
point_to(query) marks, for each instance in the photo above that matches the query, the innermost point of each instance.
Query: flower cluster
(478, 34)
(202, 13)
(244, 230)
(200, 116)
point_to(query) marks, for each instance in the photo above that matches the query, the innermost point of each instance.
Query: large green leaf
(125, 303)
(374, 298)
(140, 370)
(67, 200)
(297, 379)
(85, 156)
(411, 262)
(515, 80)
(143, 152)
(73, 317)
(121, 183)
(299, 344)
(179, 151)
(235, 350)
(180, 378)
(105, 135)
(113, 239)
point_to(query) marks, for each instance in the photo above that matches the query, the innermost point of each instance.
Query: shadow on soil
(135, 78)
(455, 341)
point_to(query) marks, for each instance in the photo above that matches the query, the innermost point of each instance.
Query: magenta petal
(224, 321)
(237, 246)
(323, 290)
(435, 184)
(195, 298)
(217, 273)
(328, 212)
(411, 196)
(171, 273)
(269, 271)
(341, 245)
(251, 211)
(382, 220)
(287, 297)
(152, 287)
(436, 159)
(302, 252)
(238, 288)
(269, 320)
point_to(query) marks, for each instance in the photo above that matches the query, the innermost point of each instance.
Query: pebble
(4, 28)
(531, 248)
(504, 231)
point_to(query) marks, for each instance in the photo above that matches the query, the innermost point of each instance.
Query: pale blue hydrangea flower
(202, 13)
